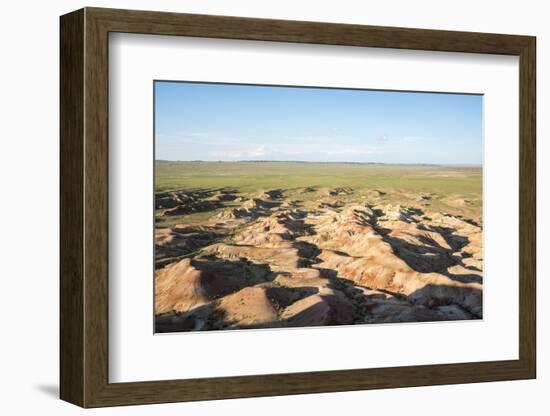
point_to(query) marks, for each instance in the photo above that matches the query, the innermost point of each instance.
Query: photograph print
(289, 206)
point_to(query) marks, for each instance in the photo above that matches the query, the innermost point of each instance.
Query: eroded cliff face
(275, 261)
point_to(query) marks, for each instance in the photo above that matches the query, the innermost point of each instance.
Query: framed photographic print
(255, 207)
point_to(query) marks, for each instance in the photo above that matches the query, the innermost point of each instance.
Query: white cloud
(199, 145)
(196, 138)
(295, 151)
(240, 153)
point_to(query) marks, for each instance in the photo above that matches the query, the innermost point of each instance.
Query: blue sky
(199, 121)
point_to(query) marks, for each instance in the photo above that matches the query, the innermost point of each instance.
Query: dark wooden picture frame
(84, 207)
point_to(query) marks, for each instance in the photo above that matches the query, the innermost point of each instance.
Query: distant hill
(465, 165)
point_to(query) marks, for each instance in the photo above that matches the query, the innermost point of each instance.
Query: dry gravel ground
(313, 255)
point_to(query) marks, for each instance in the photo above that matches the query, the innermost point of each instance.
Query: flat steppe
(292, 244)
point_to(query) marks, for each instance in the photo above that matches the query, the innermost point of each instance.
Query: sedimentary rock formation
(271, 263)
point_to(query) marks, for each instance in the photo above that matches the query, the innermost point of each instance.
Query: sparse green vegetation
(453, 189)
(268, 244)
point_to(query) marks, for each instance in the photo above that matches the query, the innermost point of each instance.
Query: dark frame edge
(71, 318)
(528, 208)
(172, 391)
(295, 31)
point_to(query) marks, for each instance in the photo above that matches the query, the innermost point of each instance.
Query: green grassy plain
(453, 189)
(252, 176)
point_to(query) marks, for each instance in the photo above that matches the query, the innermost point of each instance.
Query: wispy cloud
(256, 152)
(289, 151)
(219, 121)
(211, 146)
(197, 138)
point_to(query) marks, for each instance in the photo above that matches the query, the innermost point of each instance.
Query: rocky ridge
(275, 262)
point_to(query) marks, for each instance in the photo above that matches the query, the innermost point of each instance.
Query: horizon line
(322, 162)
